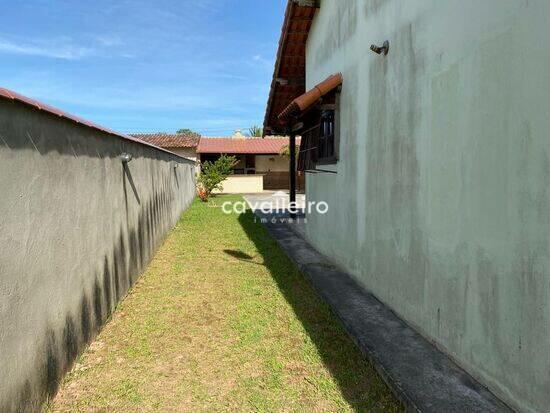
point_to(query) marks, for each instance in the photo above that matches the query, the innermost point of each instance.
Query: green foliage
(286, 150)
(186, 131)
(213, 174)
(256, 131)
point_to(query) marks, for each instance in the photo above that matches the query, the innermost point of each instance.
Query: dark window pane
(326, 140)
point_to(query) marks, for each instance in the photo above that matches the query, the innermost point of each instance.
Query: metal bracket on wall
(384, 49)
(308, 3)
(126, 157)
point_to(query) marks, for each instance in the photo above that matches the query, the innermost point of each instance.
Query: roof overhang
(290, 67)
(303, 102)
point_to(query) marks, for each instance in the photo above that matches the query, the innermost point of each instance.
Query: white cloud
(54, 49)
(66, 48)
(259, 59)
(109, 41)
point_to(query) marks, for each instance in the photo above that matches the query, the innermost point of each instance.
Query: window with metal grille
(319, 145)
(307, 157)
(325, 152)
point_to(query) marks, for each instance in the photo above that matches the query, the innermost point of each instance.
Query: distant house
(261, 166)
(180, 144)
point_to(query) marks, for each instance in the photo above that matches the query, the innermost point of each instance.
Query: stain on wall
(440, 201)
(393, 167)
(343, 27)
(371, 7)
(79, 228)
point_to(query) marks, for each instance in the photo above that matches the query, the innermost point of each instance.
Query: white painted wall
(441, 204)
(243, 184)
(189, 153)
(271, 163)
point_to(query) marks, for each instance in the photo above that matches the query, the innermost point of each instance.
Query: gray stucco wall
(77, 229)
(441, 203)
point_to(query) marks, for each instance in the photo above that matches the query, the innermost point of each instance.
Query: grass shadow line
(357, 379)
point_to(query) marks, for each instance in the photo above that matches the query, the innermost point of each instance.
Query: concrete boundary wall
(77, 228)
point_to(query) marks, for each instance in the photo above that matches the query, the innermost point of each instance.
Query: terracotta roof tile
(305, 101)
(166, 140)
(242, 146)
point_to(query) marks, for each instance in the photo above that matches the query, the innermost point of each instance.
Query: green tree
(256, 131)
(213, 174)
(186, 131)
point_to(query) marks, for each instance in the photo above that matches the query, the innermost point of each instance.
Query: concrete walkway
(273, 199)
(421, 376)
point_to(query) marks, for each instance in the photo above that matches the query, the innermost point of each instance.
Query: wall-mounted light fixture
(125, 157)
(281, 81)
(384, 49)
(308, 3)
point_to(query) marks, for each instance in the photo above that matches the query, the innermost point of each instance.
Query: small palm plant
(255, 131)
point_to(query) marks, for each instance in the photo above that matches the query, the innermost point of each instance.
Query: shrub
(285, 151)
(213, 174)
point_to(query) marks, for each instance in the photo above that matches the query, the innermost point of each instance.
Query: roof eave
(292, 7)
(303, 102)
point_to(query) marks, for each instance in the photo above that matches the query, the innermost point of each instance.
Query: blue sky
(145, 66)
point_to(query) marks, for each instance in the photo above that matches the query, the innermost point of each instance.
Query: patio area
(222, 320)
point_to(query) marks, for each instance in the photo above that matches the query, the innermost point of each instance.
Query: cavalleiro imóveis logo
(277, 203)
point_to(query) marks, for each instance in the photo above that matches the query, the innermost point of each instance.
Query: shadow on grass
(241, 256)
(238, 254)
(363, 389)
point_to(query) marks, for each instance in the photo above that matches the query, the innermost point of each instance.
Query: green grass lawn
(222, 321)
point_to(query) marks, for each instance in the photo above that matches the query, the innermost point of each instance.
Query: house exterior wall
(271, 163)
(440, 205)
(77, 230)
(189, 153)
(243, 184)
(275, 171)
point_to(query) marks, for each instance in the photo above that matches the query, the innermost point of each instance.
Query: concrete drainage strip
(422, 377)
